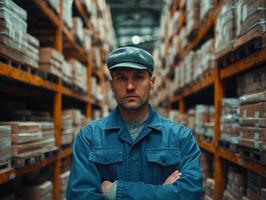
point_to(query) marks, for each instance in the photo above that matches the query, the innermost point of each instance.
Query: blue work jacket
(104, 150)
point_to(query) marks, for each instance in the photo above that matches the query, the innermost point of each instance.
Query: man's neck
(134, 116)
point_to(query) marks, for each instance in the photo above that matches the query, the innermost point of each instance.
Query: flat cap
(130, 57)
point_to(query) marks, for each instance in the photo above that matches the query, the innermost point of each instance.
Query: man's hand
(106, 187)
(172, 178)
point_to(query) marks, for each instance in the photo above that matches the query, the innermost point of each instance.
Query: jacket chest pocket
(163, 162)
(106, 161)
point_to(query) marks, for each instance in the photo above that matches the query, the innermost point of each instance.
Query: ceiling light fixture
(135, 39)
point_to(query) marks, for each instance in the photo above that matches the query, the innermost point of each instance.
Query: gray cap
(130, 57)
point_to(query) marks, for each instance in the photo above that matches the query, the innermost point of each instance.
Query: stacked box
(71, 123)
(79, 75)
(180, 118)
(67, 13)
(13, 28)
(236, 185)
(224, 29)
(78, 30)
(5, 144)
(88, 6)
(48, 135)
(229, 130)
(174, 24)
(205, 7)
(195, 65)
(67, 72)
(252, 120)
(250, 19)
(55, 5)
(252, 82)
(255, 186)
(209, 189)
(64, 179)
(189, 67)
(26, 141)
(38, 191)
(51, 61)
(204, 120)
(192, 17)
(87, 39)
(32, 51)
(67, 127)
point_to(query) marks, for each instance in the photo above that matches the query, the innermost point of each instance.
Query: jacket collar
(114, 120)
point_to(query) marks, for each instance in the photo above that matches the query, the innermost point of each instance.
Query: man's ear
(152, 80)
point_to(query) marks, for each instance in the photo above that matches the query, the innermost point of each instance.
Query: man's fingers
(172, 178)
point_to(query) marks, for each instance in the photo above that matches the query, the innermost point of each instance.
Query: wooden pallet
(253, 154)
(243, 47)
(48, 153)
(27, 159)
(5, 165)
(229, 146)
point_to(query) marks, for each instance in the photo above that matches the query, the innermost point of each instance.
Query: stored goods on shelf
(209, 189)
(224, 29)
(67, 13)
(192, 18)
(67, 72)
(54, 4)
(78, 30)
(64, 179)
(205, 7)
(79, 76)
(250, 21)
(87, 39)
(38, 191)
(32, 51)
(5, 147)
(252, 82)
(230, 122)
(236, 184)
(256, 185)
(51, 61)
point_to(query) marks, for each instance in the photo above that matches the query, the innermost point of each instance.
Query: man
(134, 153)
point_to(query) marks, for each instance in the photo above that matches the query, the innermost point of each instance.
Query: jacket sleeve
(85, 181)
(188, 187)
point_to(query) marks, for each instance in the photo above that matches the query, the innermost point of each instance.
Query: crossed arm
(106, 185)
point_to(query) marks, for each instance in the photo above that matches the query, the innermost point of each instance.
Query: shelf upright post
(58, 109)
(218, 166)
(181, 105)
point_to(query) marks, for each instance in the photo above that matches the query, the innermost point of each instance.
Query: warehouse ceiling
(136, 22)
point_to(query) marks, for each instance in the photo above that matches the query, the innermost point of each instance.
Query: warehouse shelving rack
(57, 88)
(216, 77)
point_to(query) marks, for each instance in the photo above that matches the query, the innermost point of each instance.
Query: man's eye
(139, 77)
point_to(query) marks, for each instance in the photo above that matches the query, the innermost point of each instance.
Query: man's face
(132, 88)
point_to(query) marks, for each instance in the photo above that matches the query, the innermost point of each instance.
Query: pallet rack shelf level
(237, 159)
(244, 64)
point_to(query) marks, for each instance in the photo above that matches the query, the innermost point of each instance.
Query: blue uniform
(104, 150)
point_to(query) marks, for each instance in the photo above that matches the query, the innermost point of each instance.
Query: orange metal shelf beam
(205, 146)
(195, 87)
(66, 153)
(70, 93)
(26, 77)
(247, 164)
(13, 173)
(48, 12)
(244, 64)
(201, 33)
(81, 10)
(71, 39)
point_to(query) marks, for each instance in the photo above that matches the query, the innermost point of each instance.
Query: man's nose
(130, 85)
